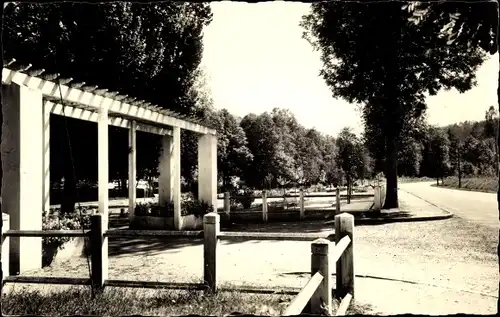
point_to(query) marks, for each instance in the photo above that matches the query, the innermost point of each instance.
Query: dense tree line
(461, 149)
(273, 149)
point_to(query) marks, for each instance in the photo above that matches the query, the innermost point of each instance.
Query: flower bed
(155, 217)
(56, 249)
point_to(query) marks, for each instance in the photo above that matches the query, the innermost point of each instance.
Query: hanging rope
(82, 222)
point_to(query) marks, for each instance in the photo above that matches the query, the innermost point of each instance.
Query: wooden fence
(378, 199)
(318, 291)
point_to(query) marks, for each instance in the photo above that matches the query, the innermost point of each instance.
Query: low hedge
(189, 206)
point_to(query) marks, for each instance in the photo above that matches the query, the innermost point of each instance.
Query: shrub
(245, 198)
(54, 220)
(196, 207)
(189, 206)
(153, 209)
(248, 199)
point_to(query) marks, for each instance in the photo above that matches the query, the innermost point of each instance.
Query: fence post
(264, 205)
(344, 226)
(227, 205)
(321, 301)
(382, 196)
(337, 200)
(98, 252)
(211, 229)
(301, 204)
(377, 198)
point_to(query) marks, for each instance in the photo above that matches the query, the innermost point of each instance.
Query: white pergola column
(169, 181)
(23, 182)
(103, 163)
(132, 165)
(207, 169)
(46, 156)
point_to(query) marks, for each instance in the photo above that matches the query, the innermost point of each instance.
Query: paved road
(474, 206)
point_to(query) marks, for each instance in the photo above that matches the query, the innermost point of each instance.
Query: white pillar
(377, 204)
(169, 181)
(207, 169)
(175, 172)
(103, 162)
(46, 157)
(132, 172)
(165, 179)
(23, 183)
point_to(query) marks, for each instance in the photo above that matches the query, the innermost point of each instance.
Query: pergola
(28, 100)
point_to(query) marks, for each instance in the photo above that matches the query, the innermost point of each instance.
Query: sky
(255, 59)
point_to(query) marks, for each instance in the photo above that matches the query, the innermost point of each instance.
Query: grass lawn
(480, 184)
(161, 302)
(403, 180)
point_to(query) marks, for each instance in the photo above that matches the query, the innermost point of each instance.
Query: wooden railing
(378, 198)
(317, 292)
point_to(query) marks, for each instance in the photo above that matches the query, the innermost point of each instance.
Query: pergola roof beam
(82, 114)
(49, 88)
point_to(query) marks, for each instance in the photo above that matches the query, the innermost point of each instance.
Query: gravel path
(440, 267)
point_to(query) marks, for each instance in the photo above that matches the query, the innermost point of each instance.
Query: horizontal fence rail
(277, 236)
(47, 280)
(154, 284)
(342, 196)
(119, 233)
(46, 233)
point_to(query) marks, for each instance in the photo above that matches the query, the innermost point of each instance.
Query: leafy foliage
(189, 206)
(55, 220)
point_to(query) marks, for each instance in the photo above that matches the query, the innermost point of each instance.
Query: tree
(439, 147)
(457, 135)
(329, 164)
(233, 155)
(310, 147)
(491, 130)
(264, 144)
(404, 62)
(350, 157)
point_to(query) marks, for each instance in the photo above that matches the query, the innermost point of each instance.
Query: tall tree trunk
(391, 173)
(349, 189)
(459, 167)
